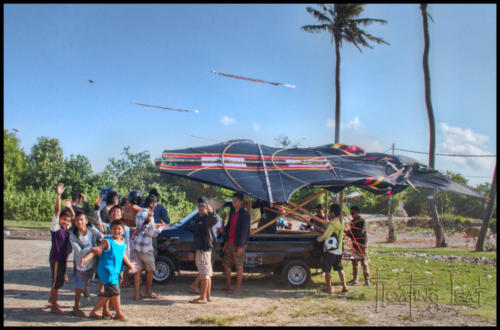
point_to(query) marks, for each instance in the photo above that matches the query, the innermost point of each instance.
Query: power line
(426, 153)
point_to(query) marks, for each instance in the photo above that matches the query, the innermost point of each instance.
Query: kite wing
(274, 174)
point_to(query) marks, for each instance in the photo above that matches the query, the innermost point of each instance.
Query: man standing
(236, 234)
(357, 233)
(332, 249)
(204, 236)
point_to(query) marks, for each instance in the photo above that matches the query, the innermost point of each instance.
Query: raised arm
(59, 190)
(97, 250)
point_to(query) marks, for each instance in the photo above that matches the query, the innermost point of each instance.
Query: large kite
(274, 174)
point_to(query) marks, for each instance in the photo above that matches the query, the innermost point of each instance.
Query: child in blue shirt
(112, 256)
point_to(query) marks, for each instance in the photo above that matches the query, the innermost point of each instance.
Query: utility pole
(390, 237)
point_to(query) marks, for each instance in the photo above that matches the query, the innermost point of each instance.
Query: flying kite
(91, 81)
(157, 106)
(252, 79)
(15, 130)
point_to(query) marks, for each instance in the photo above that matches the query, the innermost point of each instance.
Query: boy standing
(332, 249)
(357, 233)
(203, 243)
(112, 256)
(143, 245)
(60, 249)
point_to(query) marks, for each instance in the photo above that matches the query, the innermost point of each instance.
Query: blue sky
(162, 54)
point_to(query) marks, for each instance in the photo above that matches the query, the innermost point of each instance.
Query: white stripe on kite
(157, 106)
(252, 79)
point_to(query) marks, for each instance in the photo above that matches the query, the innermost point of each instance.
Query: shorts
(58, 270)
(230, 257)
(145, 261)
(203, 262)
(82, 276)
(329, 260)
(111, 290)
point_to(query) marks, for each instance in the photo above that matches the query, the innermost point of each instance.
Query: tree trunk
(390, 222)
(438, 226)
(337, 90)
(489, 211)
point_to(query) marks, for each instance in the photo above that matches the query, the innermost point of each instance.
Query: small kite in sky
(252, 79)
(156, 106)
(15, 130)
(91, 81)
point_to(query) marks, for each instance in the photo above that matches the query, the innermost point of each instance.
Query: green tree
(14, 161)
(45, 163)
(134, 171)
(77, 174)
(342, 23)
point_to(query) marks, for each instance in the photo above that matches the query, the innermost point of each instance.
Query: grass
(459, 251)
(42, 225)
(227, 320)
(434, 274)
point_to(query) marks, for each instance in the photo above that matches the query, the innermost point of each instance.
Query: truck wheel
(164, 270)
(296, 273)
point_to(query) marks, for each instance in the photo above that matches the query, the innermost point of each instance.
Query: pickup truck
(289, 255)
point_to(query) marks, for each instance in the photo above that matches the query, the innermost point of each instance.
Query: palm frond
(368, 21)
(319, 15)
(316, 28)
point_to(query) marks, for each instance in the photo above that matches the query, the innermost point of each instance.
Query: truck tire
(296, 273)
(164, 270)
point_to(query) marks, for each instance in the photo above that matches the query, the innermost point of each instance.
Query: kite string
(226, 170)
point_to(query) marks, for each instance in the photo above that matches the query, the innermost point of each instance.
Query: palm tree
(342, 23)
(438, 226)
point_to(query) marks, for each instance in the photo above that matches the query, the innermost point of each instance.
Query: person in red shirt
(236, 234)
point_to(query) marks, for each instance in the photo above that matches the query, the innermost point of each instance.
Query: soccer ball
(331, 243)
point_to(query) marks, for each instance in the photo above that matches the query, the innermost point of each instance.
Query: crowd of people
(121, 239)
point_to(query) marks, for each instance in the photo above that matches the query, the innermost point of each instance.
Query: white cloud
(256, 127)
(353, 124)
(226, 121)
(465, 142)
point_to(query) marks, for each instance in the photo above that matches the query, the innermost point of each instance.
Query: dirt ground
(263, 302)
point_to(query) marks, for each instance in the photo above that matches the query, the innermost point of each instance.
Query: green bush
(31, 204)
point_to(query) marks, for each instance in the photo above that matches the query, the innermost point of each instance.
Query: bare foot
(329, 291)
(93, 315)
(106, 314)
(137, 298)
(198, 301)
(236, 291)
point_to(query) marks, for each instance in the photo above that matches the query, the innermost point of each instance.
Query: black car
(290, 255)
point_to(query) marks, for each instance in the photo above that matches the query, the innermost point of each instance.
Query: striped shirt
(143, 242)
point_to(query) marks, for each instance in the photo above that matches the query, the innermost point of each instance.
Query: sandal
(153, 296)
(57, 311)
(78, 313)
(197, 301)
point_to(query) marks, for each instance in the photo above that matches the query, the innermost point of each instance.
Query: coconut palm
(438, 226)
(342, 22)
